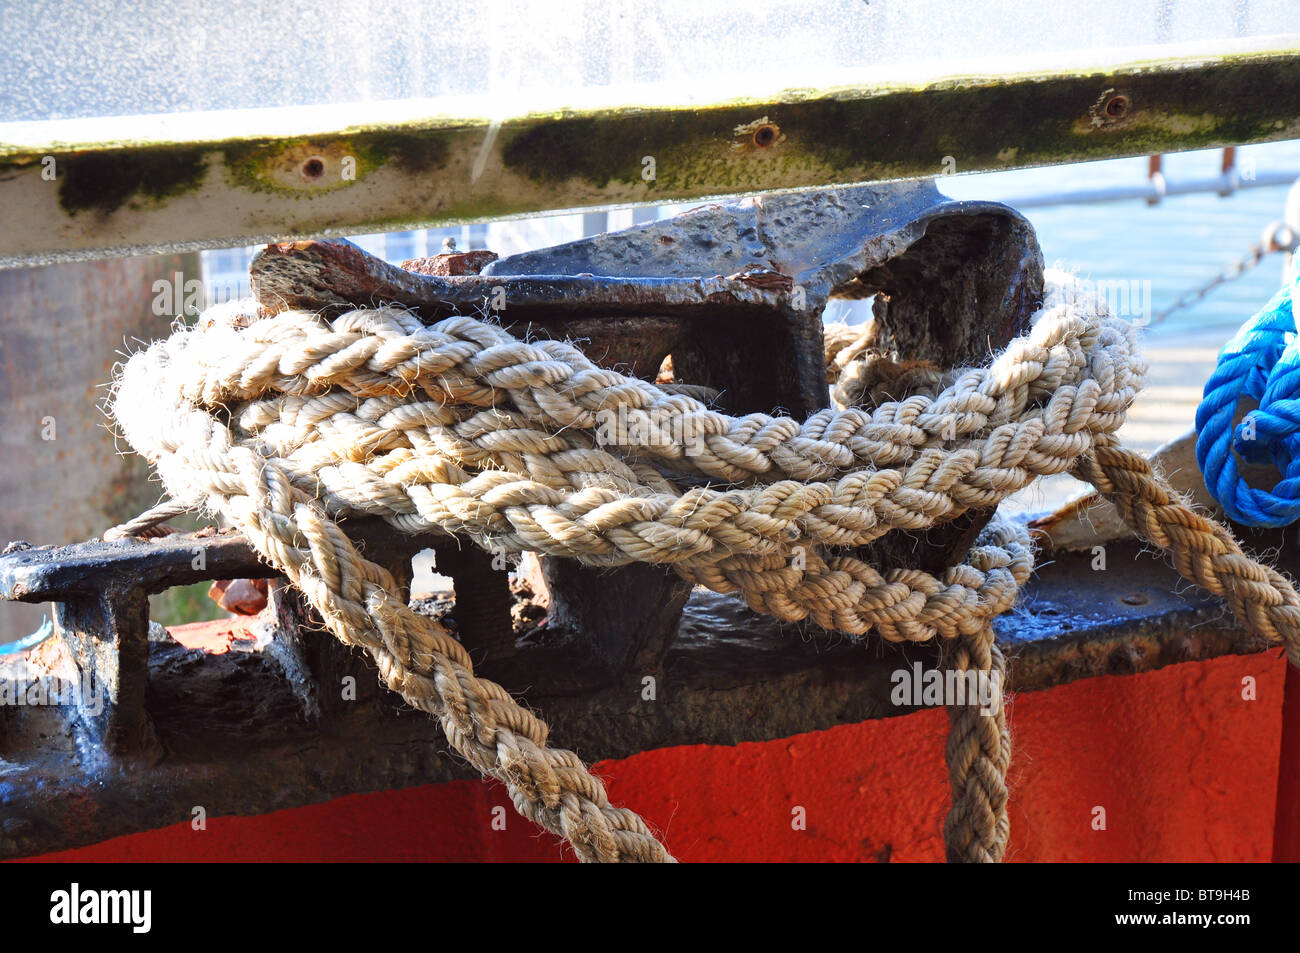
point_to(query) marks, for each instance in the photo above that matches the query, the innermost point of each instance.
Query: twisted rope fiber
(1262, 363)
(1204, 552)
(287, 424)
(978, 754)
(365, 446)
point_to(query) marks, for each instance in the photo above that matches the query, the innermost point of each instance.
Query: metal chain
(1276, 237)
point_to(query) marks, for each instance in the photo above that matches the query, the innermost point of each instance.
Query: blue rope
(29, 641)
(1261, 363)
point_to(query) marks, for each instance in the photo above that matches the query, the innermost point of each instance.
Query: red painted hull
(1185, 768)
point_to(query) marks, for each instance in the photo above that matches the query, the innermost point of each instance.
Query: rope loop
(1261, 364)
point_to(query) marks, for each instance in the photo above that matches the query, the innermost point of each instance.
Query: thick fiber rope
(1261, 363)
(287, 424)
(978, 755)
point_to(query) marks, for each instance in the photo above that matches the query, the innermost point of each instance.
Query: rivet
(1116, 107)
(312, 168)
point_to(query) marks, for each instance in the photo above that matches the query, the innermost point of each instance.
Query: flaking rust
(310, 167)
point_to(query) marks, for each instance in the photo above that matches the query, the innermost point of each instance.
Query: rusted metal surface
(633, 299)
(1069, 600)
(482, 584)
(622, 660)
(939, 270)
(54, 573)
(619, 621)
(450, 264)
(637, 295)
(324, 680)
(240, 596)
(334, 273)
(108, 638)
(941, 267)
(101, 610)
(153, 183)
(99, 591)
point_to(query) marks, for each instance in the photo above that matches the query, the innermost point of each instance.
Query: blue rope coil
(1262, 364)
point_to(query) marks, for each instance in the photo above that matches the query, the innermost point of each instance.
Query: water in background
(1177, 244)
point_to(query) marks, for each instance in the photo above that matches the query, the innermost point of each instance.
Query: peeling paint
(311, 166)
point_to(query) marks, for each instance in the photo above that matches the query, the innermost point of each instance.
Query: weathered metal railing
(90, 188)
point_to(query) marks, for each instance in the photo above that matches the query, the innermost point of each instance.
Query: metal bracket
(939, 269)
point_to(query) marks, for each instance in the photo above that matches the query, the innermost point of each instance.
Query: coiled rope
(1261, 363)
(286, 424)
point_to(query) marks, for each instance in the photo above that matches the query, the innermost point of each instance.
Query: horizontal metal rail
(94, 188)
(1150, 191)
